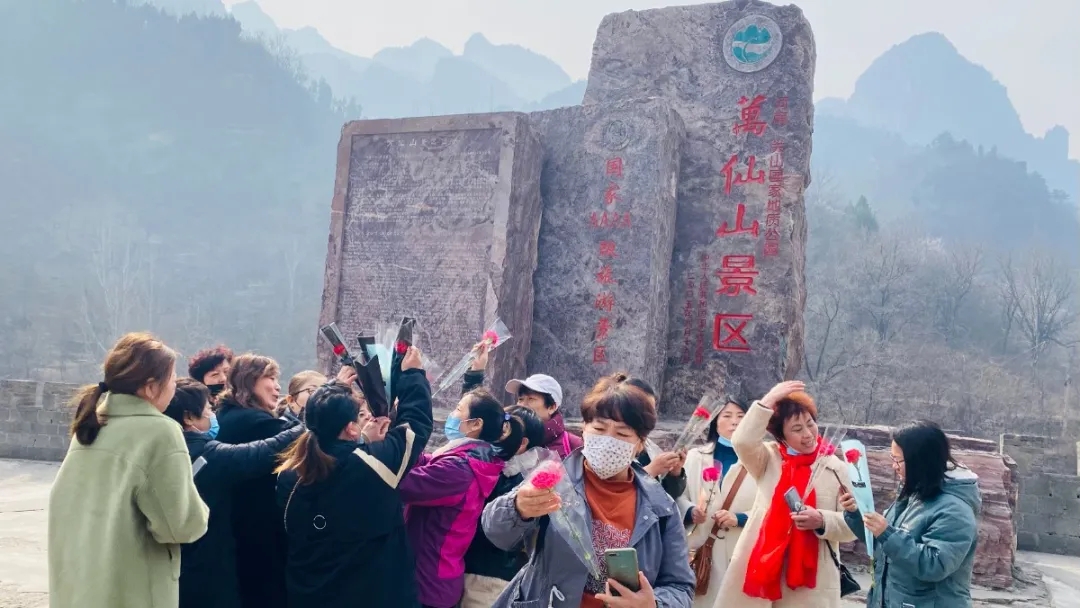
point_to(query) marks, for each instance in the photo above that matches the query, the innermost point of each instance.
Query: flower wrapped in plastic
(494, 336)
(710, 478)
(569, 520)
(695, 427)
(827, 446)
(853, 457)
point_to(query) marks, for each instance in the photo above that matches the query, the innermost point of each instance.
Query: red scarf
(779, 542)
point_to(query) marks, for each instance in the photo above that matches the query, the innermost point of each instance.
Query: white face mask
(522, 463)
(607, 456)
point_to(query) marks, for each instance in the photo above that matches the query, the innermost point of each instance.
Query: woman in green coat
(124, 499)
(924, 544)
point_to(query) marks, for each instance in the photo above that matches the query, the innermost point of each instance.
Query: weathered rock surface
(436, 218)
(602, 281)
(741, 76)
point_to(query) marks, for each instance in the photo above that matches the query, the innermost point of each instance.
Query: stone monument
(436, 218)
(602, 285)
(741, 76)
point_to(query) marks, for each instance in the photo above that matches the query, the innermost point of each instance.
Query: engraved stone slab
(602, 287)
(741, 75)
(436, 218)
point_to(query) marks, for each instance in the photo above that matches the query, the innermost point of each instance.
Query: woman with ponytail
(124, 499)
(445, 493)
(343, 515)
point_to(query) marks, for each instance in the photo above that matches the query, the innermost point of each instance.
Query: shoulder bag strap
(828, 544)
(730, 498)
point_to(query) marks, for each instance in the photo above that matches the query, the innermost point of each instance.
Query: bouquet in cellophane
(568, 521)
(828, 443)
(495, 335)
(695, 427)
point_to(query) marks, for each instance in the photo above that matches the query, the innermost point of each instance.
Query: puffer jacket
(555, 577)
(925, 556)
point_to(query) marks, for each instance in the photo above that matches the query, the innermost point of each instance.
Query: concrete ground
(24, 496)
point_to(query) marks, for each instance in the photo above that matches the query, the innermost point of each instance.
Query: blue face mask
(452, 428)
(212, 433)
(724, 442)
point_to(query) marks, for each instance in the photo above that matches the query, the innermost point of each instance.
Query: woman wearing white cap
(543, 395)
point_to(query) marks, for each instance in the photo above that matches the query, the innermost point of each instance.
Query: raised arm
(392, 457)
(749, 437)
(175, 514)
(242, 461)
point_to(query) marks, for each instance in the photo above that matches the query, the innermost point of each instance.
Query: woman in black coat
(245, 414)
(208, 566)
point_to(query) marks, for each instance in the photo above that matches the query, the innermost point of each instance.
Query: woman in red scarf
(782, 559)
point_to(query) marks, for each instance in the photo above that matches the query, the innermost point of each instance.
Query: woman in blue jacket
(924, 545)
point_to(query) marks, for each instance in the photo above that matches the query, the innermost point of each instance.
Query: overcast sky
(1031, 46)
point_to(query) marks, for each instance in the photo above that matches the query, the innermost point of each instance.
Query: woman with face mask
(716, 528)
(488, 569)
(786, 559)
(208, 568)
(341, 503)
(445, 492)
(625, 507)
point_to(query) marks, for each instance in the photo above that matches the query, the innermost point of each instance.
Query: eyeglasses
(897, 461)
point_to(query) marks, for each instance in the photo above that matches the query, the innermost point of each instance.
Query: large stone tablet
(741, 76)
(602, 288)
(436, 218)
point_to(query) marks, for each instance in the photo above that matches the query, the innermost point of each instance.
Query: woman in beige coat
(736, 491)
(791, 563)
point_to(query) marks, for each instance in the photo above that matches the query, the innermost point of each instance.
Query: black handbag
(848, 584)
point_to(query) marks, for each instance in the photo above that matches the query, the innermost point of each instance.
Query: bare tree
(1038, 291)
(885, 279)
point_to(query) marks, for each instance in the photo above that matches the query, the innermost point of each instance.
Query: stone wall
(34, 419)
(1047, 516)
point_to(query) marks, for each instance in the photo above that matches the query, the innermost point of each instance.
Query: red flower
(853, 456)
(401, 348)
(547, 475)
(339, 350)
(710, 474)
(491, 337)
(701, 412)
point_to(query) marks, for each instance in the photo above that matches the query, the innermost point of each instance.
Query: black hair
(500, 428)
(643, 385)
(713, 435)
(927, 456)
(524, 391)
(191, 398)
(614, 398)
(329, 410)
(533, 427)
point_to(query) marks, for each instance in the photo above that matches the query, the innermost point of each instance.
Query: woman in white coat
(734, 490)
(786, 560)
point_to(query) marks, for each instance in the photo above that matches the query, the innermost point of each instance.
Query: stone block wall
(34, 419)
(1047, 513)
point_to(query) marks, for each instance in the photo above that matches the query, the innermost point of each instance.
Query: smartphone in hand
(794, 501)
(622, 565)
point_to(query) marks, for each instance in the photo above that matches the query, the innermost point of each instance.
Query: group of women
(227, 494)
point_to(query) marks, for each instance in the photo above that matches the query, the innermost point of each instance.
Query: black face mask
(215, 389)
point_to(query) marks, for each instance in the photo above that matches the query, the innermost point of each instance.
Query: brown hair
(137, 359)
(615, 399)
(295, 384)
(795, 404)
(248, 369)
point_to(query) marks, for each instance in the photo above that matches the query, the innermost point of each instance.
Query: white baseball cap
(538, 383)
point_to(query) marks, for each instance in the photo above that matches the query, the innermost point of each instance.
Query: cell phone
(794, 501)
(622, 566)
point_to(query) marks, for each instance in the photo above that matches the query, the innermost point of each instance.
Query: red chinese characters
(740, 228)
(736, 274)
(750, 117)
(780, 113)
(736, 178)
(614, 171)
(728, 332)
(775, 200)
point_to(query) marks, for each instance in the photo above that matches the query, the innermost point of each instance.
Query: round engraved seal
(616, 135)
(752, 43)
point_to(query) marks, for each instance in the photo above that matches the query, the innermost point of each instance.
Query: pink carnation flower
(701, 412)
(491, 337)
(547, 475)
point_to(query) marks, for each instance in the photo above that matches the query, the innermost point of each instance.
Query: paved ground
(24, 496)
